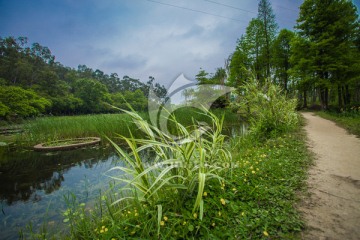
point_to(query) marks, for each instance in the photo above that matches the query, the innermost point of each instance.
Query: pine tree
(330, 26)
(269, 28)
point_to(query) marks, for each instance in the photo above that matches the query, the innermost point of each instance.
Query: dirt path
(332, 210)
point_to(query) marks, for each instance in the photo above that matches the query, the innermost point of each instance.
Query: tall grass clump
(165, 197)
(54, 128)
(270, 111)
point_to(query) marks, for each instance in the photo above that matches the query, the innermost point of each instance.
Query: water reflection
(33, 185)
(23, 173)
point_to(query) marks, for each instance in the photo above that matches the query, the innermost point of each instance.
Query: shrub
(16, 101)
(270, 111)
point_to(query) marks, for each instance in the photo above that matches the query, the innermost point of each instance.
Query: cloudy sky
(139, 38)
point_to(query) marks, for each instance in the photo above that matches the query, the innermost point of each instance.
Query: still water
(33, 185)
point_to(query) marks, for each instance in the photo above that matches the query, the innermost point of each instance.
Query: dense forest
(318, 62)
(32, 82)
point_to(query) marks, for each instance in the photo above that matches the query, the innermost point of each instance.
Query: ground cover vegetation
(47, 129)
(200, 186)
(204, 185)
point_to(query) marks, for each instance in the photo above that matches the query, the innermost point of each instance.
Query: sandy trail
(332, 209)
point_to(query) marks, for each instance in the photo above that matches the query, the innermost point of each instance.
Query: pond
(33, 185)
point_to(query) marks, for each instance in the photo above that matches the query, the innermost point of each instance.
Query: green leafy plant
(180, 167)
(270, 111)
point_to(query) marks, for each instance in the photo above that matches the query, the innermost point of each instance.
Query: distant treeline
(32, 82)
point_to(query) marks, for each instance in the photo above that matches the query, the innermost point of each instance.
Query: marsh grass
(250, 194)
(47, 129)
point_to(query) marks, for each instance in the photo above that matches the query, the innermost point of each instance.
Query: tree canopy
(320, 58)
(42, 85)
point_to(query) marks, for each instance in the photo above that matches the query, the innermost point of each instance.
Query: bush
(270, 111)
(19, 102)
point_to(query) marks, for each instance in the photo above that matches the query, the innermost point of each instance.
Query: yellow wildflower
(136, 214)
(106, 229)
(205, 194)
(265, 233)
(234, 189)
(101, 231)
(219, 213)
(165, 218)
(253, 172)
(184, 223)
(222, 201)
(162, 223)
(213, 224)
(195, 215)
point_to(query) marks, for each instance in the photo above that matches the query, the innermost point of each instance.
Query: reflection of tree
(23, 174)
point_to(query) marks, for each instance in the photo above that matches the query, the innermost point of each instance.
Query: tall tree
(331, 28)
(269, 27)
(281, 57)
(239, 64)
(248, 56)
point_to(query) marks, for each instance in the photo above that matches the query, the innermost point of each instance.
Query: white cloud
(137, 37)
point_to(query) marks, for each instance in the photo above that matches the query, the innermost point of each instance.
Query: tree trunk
(314, 95)
(305, 101)
(324, 96)
(339, 97)
(344, 95)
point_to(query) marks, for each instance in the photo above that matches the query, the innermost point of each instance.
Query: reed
(47, 129)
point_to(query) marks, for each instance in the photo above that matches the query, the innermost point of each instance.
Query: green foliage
(255, 200)
(18, 102)
(71, 91)
(136, 99)
(46, 129)
(328, 49)
(169, 189)
(265, 188)
(4, 110)
(206, 90)
(92, 93)
(271, 112)
(268, 29)
(202, 77)
(281, 50)
(68, 104)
